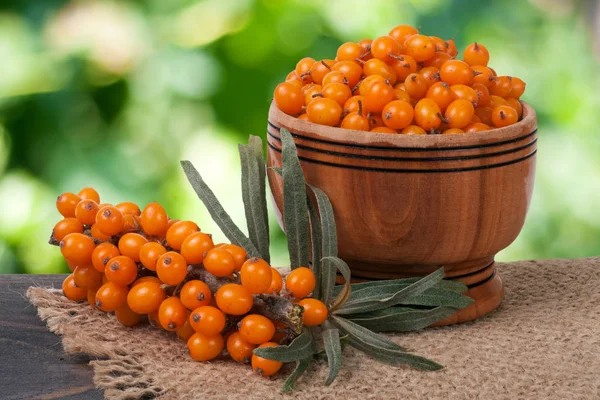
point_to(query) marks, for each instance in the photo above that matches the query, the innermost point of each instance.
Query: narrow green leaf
(216, 211)
(455, 286)
(400, 319)
(301, 347)
(333, 348)
(316, 235)
(412, 290)
(301, 366)
(255, 205)
(295, 208)
(344, 294)
(329, 244)
(256, 148)
(352, 329)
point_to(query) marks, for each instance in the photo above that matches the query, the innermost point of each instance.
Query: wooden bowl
(407, 204)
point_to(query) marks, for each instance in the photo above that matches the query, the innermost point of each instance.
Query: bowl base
(481, 277)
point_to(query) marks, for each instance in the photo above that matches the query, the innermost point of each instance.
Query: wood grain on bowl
(406, 205)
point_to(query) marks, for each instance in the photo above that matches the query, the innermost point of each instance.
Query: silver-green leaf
(400, 319)
(316, 236)
(352, 329)
(301, 366)
(301, 347)
(346, 291)
(333, 349)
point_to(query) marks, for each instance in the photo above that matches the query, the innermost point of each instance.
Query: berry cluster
(141, 265)
(406, 83)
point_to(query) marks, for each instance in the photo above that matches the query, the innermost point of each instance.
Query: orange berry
(239, 349)
(416, 86)
(459, 113)
(518, 88)
(349, 52)
(146, 279)
(300, 282)
(72, 291)
(441, 93)
(366, 48)
(111, 296)
(86, 211)
(476, 127)
(130, 245)
(205, 348)
(337, 92)
(66, 203)
(195, 246)
(89, 193)
(383, 129)
(207, 320)
(179, 231)
(126, 316)
(365, 83)
(377, 96)
(171, 268)
(264, 366)
(234, 299)
(256, 275)
(289, 98)
(351, 71)
(276, 282)
(91, 296)
(355, 120)
(403, 32)
(504, 116)
(109, 220)
(154, 220)
(451, 48)
(482, 75)
(238, 253)
(375, 120)
(185, 332)
(194, 294)
(121, 270)
(153, 320)
(419, 47)
(256, 329)
(439, 58)
(456, 72)
(129, 208)
(497, 101)
(324, 111)
(304, 117)
(431, 75)
(130, 223)
(403, 67)
(476, 54)
(516, 104)
(219, 262)
(397, 114)
(334, 77)
(77, 247)
(86, 277)
(319, 69)
(453, 131)
(311, 93)
(303, 69)
(501, 86)
(413, 130)
(150, 253)
(483, 94)
(377, 67)
(485, 114)
(428, 114)
(145, 297)
(315, 312)
(172, 314)
(385, 48)
(95, 232)
(66, 226)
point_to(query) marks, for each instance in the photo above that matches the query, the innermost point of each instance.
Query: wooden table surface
(33, 364)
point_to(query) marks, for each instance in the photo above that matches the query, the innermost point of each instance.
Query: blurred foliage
(113, 94)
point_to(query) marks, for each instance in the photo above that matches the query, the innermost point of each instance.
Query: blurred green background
(113, 94)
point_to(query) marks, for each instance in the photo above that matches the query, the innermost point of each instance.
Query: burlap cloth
(542, 343)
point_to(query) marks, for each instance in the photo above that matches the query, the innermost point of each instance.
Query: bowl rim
(527, 125)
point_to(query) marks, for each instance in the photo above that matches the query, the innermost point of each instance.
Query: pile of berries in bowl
(402, 83)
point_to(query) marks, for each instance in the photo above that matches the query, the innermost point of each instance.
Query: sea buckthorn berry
(439, 58)
(366, 48)
(456, 72)
(130, 224)
(276, 282)
(375, 120)
(383, 129)
(325, 112)
(145, 297)
(482, 75)
(501, 86)
(419, 47)
(400, 94)
(441, 93)
(416, 86)
(476, 54)
(475, 118)
(377, 67)
(109, 220)
(349, 52)
(315, 312)
(403, 66)
(150, 253)
(234, 299)
(334, 77)
(311, 94)
(86, 277)
(304, 117)
(147, 278)
(207, 320)
(319, 69)
(77, 247)
(256, 329)
(289, 98)
(466, 93)
(397, 114)
(385, 48)
(497, 101)
(293, 77)
(72, 291)
(219, 262)
(413, 130)
(66, 203)
(356, 121)
(451, 48)
(154, 220)
(153, 320)
(66, 226)
(195, 246)
(171, 268)
(483, 94)
(428, 114)
(91, 296)
(431, 75)
(130, 245)
(185, 332)
(518, 88)
(353, 105)
(129, 208)
(86, 211)
(194, 294)
(403, 32)
(300, 282)
(351, 71)
(89, 193)
(365, 83)
(111, 296)
(459, 113)
(303, 69)
(239, 349)
(205, 348)
(504, 116)
(516, 104)
(95, 232)
(256, 275)
(377, 96)
(121, 270)
(476, 127)
(337, 92)
(172, 314)
(485, 114)
(126, 316)
(179, 231)
(263, 366)
(453, 131)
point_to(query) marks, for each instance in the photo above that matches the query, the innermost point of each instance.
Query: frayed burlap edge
(541, 344)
